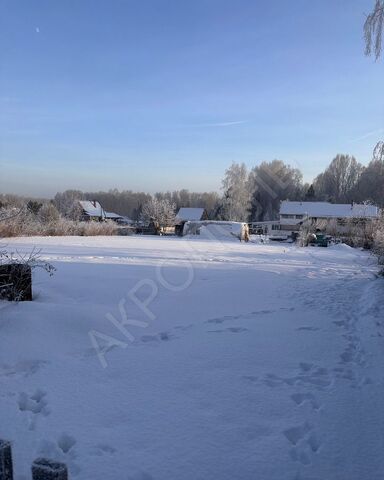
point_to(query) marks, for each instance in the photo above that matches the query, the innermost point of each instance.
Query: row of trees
(255, 195)
(248, 195)
(131, 204)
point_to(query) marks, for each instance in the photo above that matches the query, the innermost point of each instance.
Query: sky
(156, 95)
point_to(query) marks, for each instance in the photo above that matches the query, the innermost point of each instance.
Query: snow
(225, 360)
(325, 210)
(188, 214)
(92, 208)
(215, 230)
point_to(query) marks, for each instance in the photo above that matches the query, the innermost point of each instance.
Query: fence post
(6, 468)
(43, 469)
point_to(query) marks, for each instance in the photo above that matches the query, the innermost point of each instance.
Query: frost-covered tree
(339, 180)
(270, 183)
(373, 30)
(48, 213)
(160, 212)
(236, 201)
(371, 183)
(373, 34)
(378, 242)
(68, 203)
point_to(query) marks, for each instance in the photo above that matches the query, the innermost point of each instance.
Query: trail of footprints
(303, 439)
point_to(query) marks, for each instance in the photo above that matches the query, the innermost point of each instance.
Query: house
(187, 214)
(91, 210)
(322, 215)
(120, 219)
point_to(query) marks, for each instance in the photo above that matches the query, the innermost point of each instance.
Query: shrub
(48, 222)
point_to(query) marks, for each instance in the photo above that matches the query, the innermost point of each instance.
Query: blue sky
(157, 95)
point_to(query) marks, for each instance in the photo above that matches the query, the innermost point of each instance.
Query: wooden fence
(42, 469)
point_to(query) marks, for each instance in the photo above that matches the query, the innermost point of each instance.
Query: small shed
(189, 214)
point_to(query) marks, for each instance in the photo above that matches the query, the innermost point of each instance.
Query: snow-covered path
(222, 360)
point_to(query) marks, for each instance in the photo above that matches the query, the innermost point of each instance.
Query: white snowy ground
(257, 361)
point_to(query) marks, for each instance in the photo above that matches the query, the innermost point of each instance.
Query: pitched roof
(116, 216)
(92, 208)
(189, 214)
(112, 215)
(326, 209)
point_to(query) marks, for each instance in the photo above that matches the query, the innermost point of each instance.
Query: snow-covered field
(214, 360)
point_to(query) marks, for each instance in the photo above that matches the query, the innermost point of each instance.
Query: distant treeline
(247, 195)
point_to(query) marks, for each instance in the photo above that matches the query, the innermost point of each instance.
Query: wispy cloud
(373, 133)
(220, 124)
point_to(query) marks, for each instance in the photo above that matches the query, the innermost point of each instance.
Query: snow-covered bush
(378, 242)
(48, 222)
(308, 229)
(96, 228)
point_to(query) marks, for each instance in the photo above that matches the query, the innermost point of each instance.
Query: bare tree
(373, 30)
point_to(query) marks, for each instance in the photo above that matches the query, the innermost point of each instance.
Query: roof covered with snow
(112, 215)
(92, 208)
(190, 214)
(326, 209)
(116, 216)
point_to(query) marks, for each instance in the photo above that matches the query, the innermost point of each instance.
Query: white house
(295, 214)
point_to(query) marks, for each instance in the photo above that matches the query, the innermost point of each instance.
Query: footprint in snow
(230, 329)
(35, 405)
(304, 443)
(301, 398)
(308, 375)
(159, 337)
(21, 369)
(104, 449)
